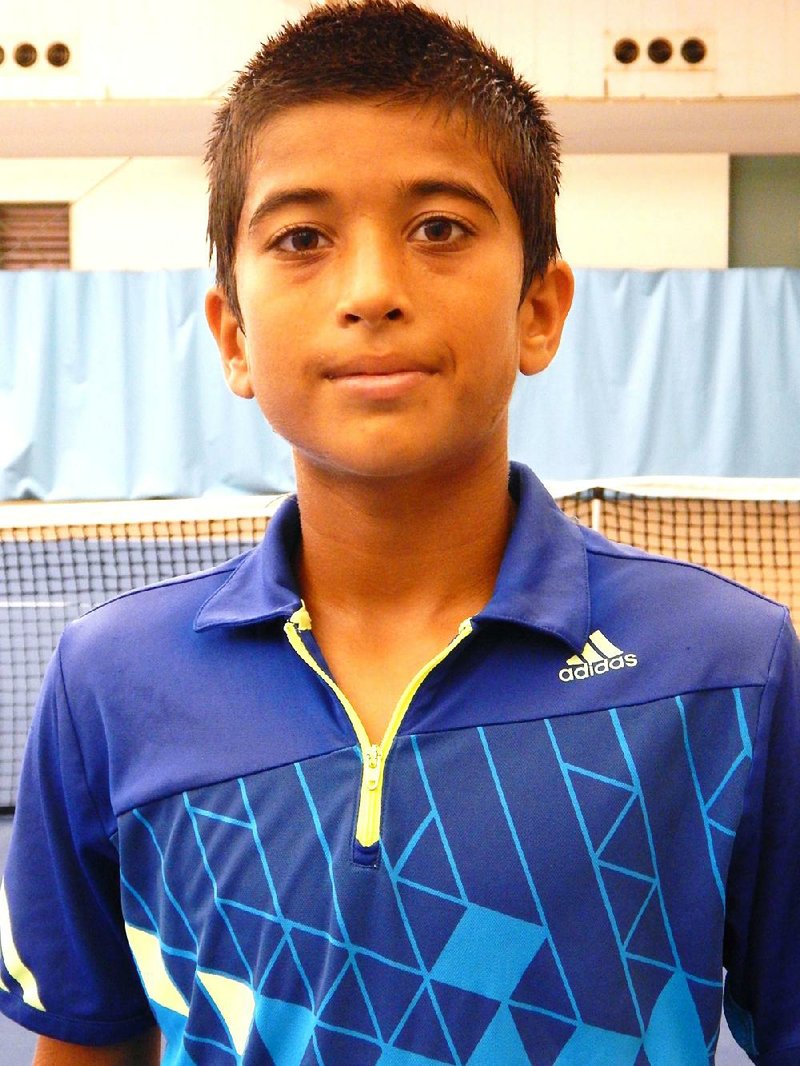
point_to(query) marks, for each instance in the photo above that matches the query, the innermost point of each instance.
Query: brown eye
(438, 229)
(299, 240)
(302, 240)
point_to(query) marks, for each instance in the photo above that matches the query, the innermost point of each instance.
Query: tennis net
(58, 560)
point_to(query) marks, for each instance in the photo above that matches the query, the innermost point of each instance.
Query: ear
(231, 343)
(543, 311)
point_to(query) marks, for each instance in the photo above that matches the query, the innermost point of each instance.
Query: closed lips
(377, 366)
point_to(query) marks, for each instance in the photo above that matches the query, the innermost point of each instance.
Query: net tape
(58, 560)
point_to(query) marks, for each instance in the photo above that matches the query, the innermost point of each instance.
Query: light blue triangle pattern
(285, 1028)
(486, 954)
(675, 1034)
(500, 1043)
(393, 1056)
(666, 1041)
(172, 1026)
(600, 1048)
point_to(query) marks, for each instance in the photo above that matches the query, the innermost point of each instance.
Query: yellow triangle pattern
(158, 984)
(11, 957)
(235, 1001)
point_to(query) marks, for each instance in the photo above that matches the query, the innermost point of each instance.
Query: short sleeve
(66, 970)
(762, 947)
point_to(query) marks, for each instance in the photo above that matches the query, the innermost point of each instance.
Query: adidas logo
(599, 656)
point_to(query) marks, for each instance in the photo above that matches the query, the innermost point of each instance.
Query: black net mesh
(756, 542)
(50, 574)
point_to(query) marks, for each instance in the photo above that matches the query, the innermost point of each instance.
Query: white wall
(52, 180)
(189, 48)
(147, 214)
(644, 211)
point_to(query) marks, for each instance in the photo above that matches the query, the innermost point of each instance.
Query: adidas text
(586, 670)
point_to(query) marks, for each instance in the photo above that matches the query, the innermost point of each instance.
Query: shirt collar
(544, 577)
(543, 580)
(263, 587)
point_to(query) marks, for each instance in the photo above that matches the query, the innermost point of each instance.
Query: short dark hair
(399, 53)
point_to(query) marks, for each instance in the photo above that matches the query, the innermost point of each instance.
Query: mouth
(379, 378)
(377, 366)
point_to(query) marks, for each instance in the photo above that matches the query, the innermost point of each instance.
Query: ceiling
(750, 126)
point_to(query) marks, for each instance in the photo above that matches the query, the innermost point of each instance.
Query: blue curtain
(110, 385)
(679, 372)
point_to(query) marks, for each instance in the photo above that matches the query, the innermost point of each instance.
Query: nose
(372, 287)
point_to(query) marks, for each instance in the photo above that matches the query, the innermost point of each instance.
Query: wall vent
(39, 56)
(661, 61)
(34, 236)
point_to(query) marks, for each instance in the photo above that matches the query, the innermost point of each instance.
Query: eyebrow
(420, 189)
(463, 190)
(302, 195)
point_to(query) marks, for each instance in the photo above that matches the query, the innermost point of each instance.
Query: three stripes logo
(599, 656)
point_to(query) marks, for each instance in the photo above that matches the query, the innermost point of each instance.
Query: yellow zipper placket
(374, 756)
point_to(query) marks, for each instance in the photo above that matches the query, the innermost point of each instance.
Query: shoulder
(156, 615)
(684, 613)
(646, 569)
(136, 688)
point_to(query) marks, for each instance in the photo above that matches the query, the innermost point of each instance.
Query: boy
(433, 775)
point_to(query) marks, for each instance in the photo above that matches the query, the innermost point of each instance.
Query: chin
(376, 463)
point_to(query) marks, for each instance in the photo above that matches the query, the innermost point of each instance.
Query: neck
(389, 548)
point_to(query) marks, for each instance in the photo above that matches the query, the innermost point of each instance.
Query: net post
(597, 508)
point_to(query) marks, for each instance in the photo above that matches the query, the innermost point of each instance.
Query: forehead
(352, 148)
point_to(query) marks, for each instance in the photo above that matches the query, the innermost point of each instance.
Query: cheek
(495, 337)
(499, 365)
(270, 375)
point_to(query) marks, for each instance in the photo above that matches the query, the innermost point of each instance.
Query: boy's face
(379, 265)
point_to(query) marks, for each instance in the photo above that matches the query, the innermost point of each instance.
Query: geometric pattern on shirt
(474, 984)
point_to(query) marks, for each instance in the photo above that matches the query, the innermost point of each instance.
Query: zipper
(373, 756)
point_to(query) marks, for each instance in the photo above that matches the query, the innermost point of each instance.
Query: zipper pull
(301, 619)
(372, 766)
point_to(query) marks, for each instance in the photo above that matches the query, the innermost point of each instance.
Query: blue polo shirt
(583, 808)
